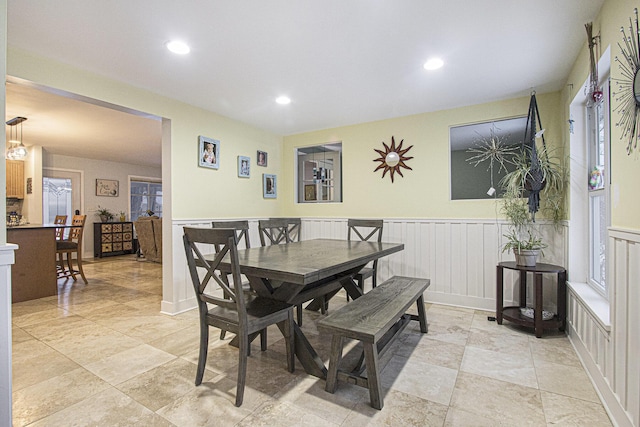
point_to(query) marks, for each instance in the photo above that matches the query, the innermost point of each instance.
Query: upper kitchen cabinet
(15, 179)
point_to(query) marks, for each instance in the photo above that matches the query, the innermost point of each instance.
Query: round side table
(513, 313)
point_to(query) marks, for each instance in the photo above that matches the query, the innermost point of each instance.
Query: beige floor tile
(505, 403)
(567, 411)
(308, 393)
(502, 366)
(459, 417)
(414, 377)
(212, 404)
(43, 315)
(129, 363)
(446, 330)
(108, 408)
(160, 386)
(283, 414)
(34, 362)
(514, 344)
(19, 335)
(400, 409)
(570, 381)
(55, 394)
(554, 349)
(89, 343)
(423, 348)
(180, 343)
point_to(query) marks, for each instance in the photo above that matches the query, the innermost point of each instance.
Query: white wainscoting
(611, 358)
(459, 256)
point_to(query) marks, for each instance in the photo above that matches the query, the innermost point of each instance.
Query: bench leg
(373, 378)
(334, 361)
(422, 315)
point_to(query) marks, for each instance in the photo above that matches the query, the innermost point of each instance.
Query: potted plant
(123, 216)
(524, 238)
(105, 214)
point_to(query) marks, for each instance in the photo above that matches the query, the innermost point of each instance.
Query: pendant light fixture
(17, 150)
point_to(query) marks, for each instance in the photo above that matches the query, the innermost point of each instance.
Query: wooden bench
(375, 319)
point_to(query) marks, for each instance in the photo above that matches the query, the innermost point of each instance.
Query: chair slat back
(241, 228)
(365, 229)
(295, 228)
(60, 220)
(197, 239)
(274, 231)
(75, 233)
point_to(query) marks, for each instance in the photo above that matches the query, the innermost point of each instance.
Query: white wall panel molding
(458, 255)
(611, 358)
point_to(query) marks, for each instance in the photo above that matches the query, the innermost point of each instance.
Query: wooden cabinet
(112, 238)
(15, 179)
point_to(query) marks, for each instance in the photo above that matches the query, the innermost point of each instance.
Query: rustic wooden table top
(310, 261)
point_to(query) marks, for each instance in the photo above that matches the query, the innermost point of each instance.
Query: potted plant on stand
(524, 238)
(105, 214)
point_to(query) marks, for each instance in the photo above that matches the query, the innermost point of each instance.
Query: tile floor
(103, 355)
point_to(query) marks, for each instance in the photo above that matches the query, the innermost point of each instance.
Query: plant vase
(104, 218)
(526, 257)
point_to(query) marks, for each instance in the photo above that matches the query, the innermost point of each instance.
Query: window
(598, 187)
(146, 198)
(319, 173)
(475, 174)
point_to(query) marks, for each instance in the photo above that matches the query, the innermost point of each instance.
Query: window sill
(596, 304)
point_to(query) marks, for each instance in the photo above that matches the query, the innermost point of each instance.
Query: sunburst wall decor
(392, 158)
(628, 86)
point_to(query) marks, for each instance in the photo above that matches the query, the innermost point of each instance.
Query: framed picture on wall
(208, 152)
(269, 186)
(107, 187)
(310, 192)
(262, 158)
(244, 164)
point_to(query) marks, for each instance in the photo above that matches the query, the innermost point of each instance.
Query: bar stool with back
(65, 249)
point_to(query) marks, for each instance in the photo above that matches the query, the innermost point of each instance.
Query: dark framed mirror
(480, 155)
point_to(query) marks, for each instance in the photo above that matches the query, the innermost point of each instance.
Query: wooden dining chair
(274, 231)
(241, 228)
(244, 314)
(66, 248)
(365, 230)
(295, 228)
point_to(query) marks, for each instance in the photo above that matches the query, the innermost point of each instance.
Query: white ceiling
(341, 62)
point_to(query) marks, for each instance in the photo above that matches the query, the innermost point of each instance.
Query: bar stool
(69, 246)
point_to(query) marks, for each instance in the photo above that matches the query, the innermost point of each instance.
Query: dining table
(309, 270)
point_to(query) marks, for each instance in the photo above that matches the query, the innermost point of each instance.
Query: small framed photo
(107, 187)
(269, 186)
(310, 192)
(244, 164)
(262, 158)
(208, 152)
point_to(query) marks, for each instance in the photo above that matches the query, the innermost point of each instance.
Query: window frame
(147, 180)
(597, 225)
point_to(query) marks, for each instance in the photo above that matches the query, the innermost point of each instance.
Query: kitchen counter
(34, 273)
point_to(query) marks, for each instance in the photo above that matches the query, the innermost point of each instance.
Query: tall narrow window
(146, 198)
(599, 173)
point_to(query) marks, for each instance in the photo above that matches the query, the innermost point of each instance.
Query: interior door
(61, 193)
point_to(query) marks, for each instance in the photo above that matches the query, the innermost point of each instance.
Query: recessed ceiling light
(433, 64)
(178, 47)
(283, 100)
